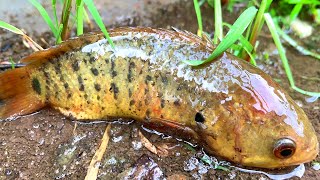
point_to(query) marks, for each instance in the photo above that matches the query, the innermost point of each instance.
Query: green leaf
(12, 63)
(96, 16)
(80, 12)
(218, 33)
(233, 35)
(295, 11)
(45, 16)
(11, 28)
(54, 2)
(199, 17)
(283, 57)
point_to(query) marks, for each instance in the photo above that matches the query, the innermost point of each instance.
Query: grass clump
(60, 29)
(242, 35)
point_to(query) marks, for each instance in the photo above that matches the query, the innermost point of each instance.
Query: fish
(231, 108)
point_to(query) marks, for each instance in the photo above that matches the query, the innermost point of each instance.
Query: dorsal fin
(69, 45)
(78, 42)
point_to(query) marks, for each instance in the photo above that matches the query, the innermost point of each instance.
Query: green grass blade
(296, 45)
(96, 16)
(276, 39)
(11, 28)
(80, 12)
(199, 17)
(13, 64)
(60, 28)
(65, 19)
(257, 26)
(54, 2)
(232, 36)
(45, 16)
(258, 23)
(295, 11)
(218, 31)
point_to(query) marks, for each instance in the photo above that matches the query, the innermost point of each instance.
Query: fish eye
(284, 148)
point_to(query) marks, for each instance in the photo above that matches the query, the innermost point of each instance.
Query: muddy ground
(46, 145)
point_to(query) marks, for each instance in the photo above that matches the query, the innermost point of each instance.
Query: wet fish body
(234, 109)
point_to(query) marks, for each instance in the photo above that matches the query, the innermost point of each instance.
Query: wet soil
(46, 145)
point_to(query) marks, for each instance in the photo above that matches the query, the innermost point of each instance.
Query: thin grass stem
(276, 39)
(80, 17)
(199, 17)
(96, 16)
(218, 30)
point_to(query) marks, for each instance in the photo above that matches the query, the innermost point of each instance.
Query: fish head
(257, 124)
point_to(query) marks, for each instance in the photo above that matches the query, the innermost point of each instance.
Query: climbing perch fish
(230, 107)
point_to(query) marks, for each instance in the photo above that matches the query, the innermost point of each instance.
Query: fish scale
(234, 110)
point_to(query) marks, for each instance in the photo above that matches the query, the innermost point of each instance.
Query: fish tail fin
(18, 95)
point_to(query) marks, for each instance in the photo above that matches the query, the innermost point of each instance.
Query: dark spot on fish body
(57, 67)
(56, 95)
(114, 89)
(69, 96)
(148, 112)
(113, 72)
(162, 103)
(48, 96)
(131, 66)
(81, 85)
(66, 85)
(62, 79)
(129, 93)
(148, 78)
(147, 101)
(98, 98)
(92, 59)
(75, 66)
(97, 87)
(164, 79)
(132, 102)
(47, 76)
(95, 71)
(86, 96)
(81, 88)
(146, 91)
(36, 86)
(107, 61)
(176, 102)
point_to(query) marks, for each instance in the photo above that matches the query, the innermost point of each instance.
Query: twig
(95, 162)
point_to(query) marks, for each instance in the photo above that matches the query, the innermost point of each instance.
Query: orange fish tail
(19, 94)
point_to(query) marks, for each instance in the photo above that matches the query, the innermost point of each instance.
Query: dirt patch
(47, 145)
